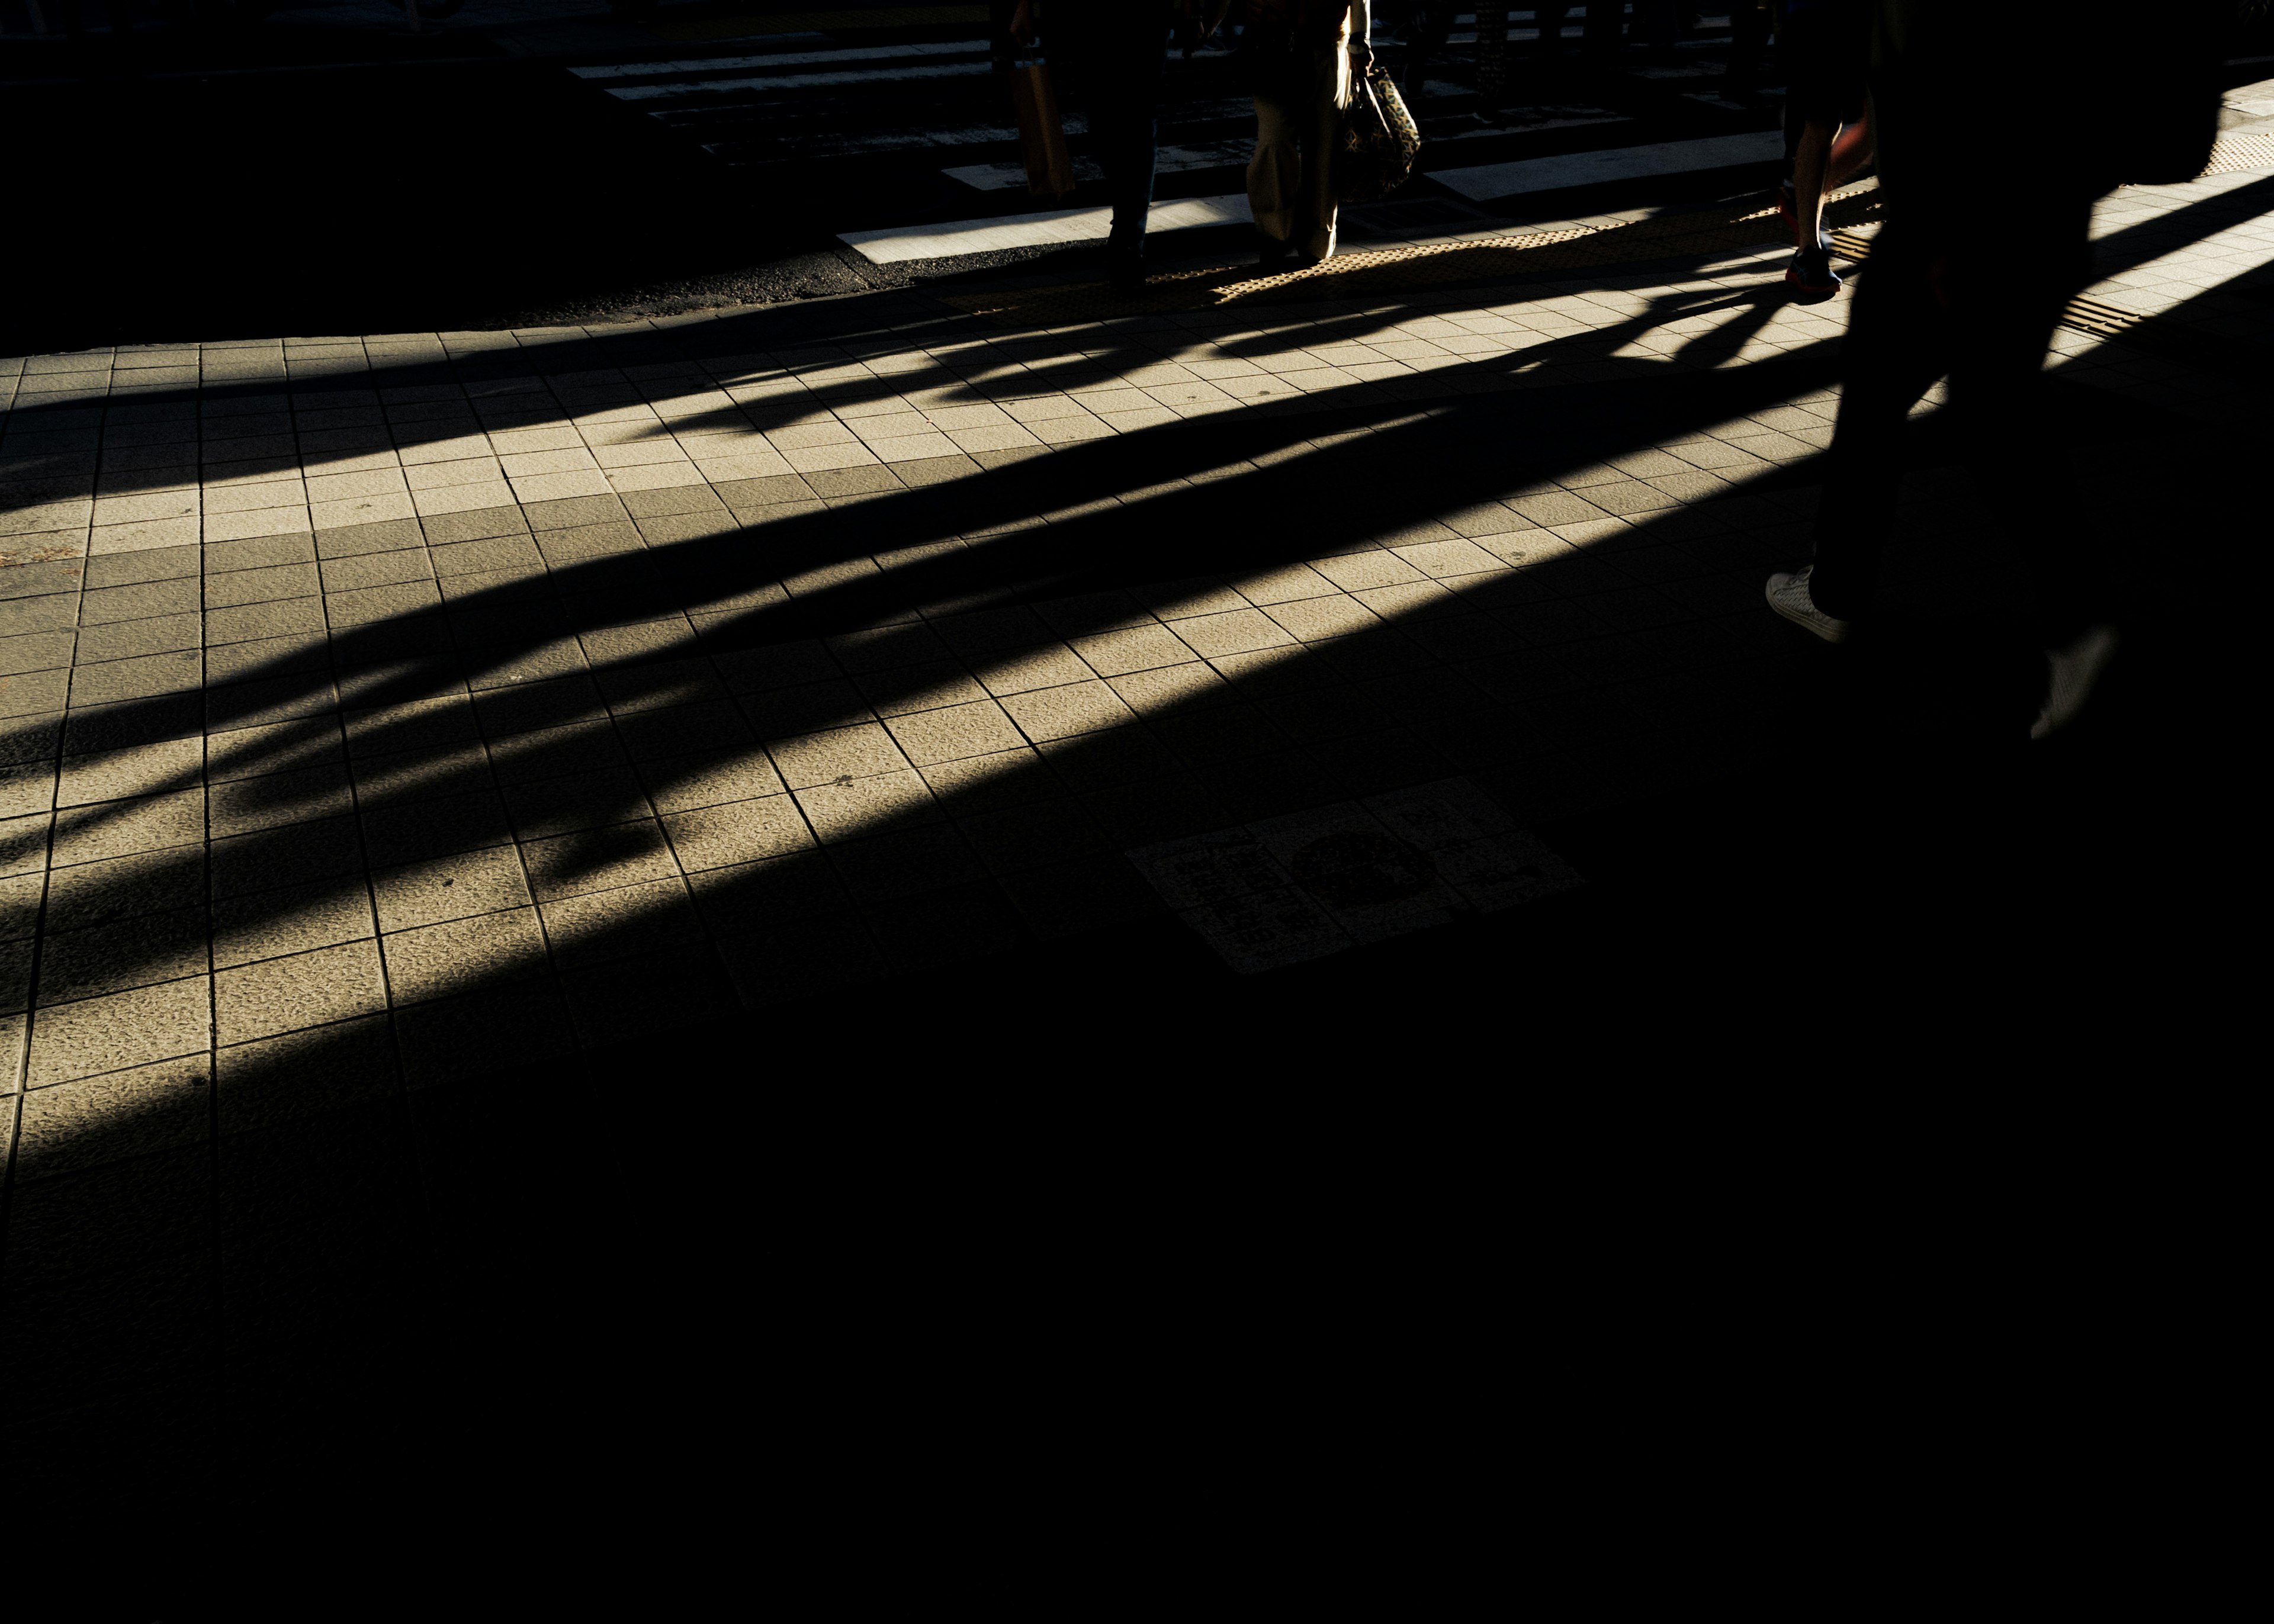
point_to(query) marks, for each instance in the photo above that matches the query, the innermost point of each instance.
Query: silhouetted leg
(1897, 346)
(2015, 444)
(1274, 174)
(1118, 64)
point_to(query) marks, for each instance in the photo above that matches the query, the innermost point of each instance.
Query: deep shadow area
(395, 199)
(1800, 866)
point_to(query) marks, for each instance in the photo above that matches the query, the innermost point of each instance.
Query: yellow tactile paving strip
(1372, 272)
(1375, 271)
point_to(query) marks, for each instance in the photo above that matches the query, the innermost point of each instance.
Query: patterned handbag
(1379, 141)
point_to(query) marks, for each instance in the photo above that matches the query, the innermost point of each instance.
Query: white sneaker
(2074, 670)
(1789, 597)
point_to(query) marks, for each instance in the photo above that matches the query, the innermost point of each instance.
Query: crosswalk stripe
(794, 82)
(794, 22)
(1715, 151)
(1071, 225)
(780, 59)
(1167, 161)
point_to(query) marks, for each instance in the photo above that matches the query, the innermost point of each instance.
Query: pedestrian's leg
(1125, 104)
(1809, 162)
(1602, 32)
(1321, 138)
(1851, 150)
(1810, 276)
(1999, 392)
(1896, 346)
(1551, 20)
(1274, 176)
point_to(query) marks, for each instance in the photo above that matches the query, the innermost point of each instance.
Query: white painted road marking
(952, 237)
(796, 81)
(1717, 151)
(781, 59)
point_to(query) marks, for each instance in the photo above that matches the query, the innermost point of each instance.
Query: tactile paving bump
(1374, 271)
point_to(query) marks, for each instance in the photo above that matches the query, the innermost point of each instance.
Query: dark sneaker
(1810, 276)
(1126, 273)
(1272, 256)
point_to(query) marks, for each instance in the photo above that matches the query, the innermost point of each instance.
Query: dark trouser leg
(1896, 345)
(1125, 90)
(2017, 449)
(1991, 340)
(1603, 33)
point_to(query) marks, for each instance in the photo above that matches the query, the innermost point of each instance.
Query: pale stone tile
(1049, 666)
(805, 436)
(527, 464)
(462, 955)
(1311, 619)
(40, 517)
(655, 477)
(819, 458)
(122, 828)
(301, 919)
(1138, 647)
(301, 990)
(143, 770)
(180, 503)
(1151, 691)
(737, 831)
(144, 536)
(1440, 560)
(844, 809)
(1051, 713)
(745, 465)
(686, 783)
(333, 488)
(911, 447)
(1279, 586)
(953, 733)
(601, 859)
(440, 475)
(222, 499)
(453, 448)
(462, 498)
(1066, 430)
(1235, 632)
(110, 1033)
(447, 888)
(839, 753)
(639, 453)
(552, 487)
(262, 522)
(998, 437)
(361, 510)
(1132, 422)
(1354, 571)
(548, 437)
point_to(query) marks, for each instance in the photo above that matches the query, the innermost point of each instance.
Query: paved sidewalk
(387, 709)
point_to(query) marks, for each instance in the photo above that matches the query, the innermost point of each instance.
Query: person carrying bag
(1379, 141)
(1300, 59)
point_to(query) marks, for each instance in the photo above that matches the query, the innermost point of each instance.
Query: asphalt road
(254, 187)
(261, 181)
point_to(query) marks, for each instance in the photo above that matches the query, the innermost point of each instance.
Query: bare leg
(1851, 150)
(1809, 167)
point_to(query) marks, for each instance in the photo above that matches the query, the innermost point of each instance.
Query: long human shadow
(1062, 559)
(869, 605)
(1534, 671)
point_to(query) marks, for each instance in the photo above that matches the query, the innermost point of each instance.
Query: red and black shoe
(1810, 276)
